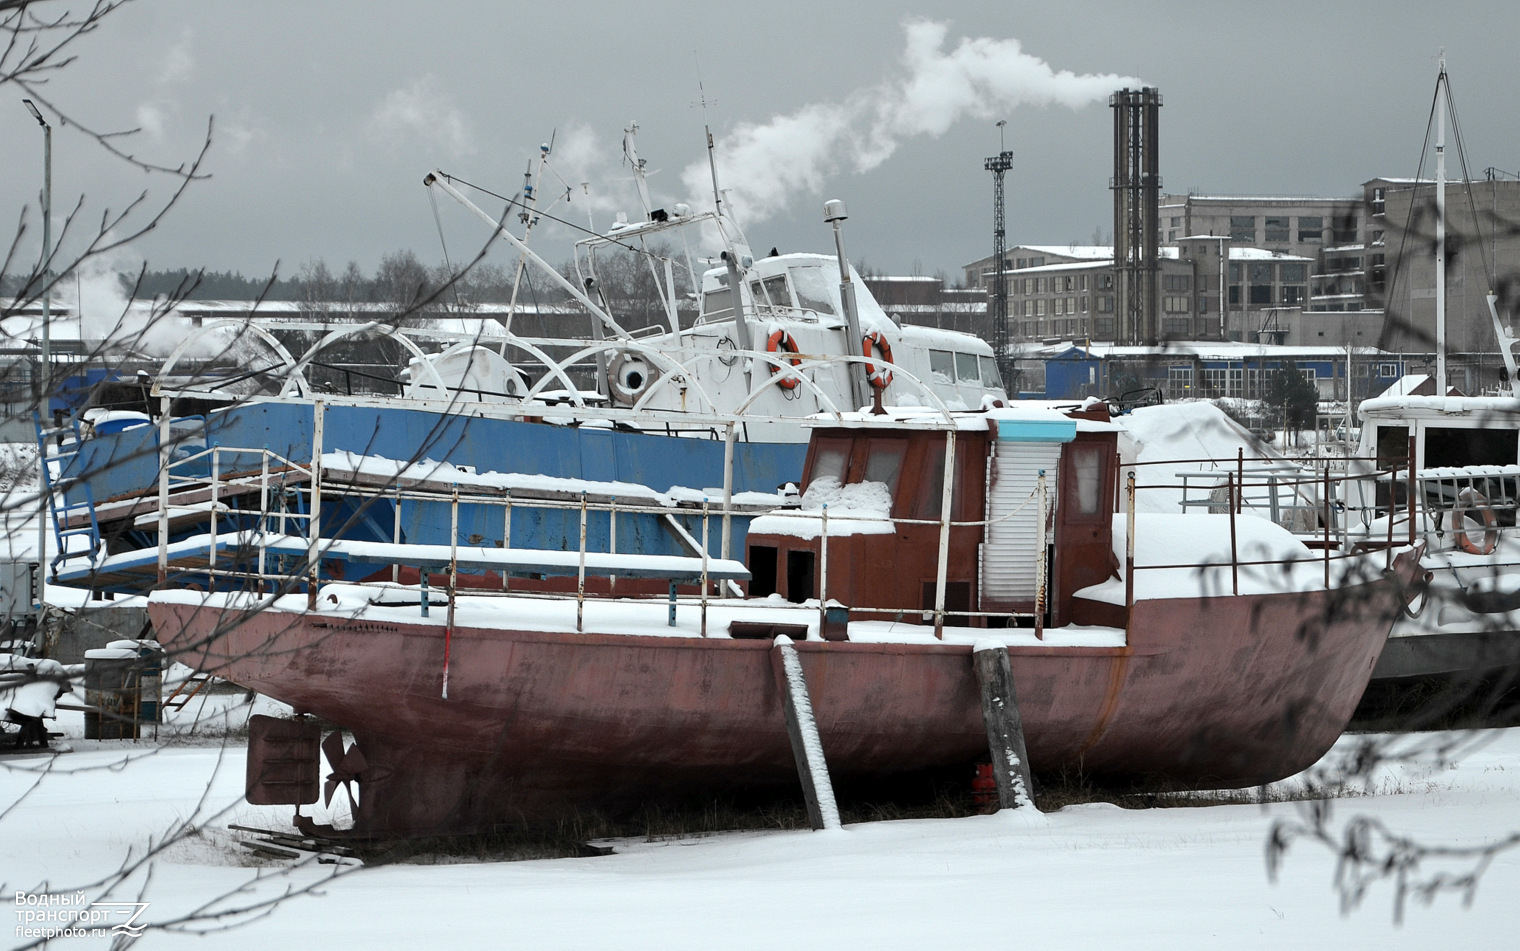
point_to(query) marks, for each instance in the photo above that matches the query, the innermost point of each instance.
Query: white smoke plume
(107, 318)
(763, 166)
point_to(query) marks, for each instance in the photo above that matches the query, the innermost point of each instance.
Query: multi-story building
(1296, 226)
(1397, 264)
(1069, 293)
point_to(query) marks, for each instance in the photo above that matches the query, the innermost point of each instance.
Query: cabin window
(830, 460)
(1446, 446)
(775, 289)
(884, 460)
(718, 304)
(1087, 467)
(942, 366)
(990, 378)
(1392, 446)
(812, 289)
(931, 487)
(965, 368)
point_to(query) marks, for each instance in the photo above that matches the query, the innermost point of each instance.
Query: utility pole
(45, 374)
(997, 165)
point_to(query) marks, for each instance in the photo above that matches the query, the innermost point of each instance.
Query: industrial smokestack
(1137, 189)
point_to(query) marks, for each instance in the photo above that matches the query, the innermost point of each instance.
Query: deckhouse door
(1009, 558)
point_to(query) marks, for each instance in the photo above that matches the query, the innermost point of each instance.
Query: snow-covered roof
(1071, 251)
(920, 417)
(1407, 385)
(1479, 409)
(1170, 201)
(1065, 266)
(1263, 254)
(1211, 350)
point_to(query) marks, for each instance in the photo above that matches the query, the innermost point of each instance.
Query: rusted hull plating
(1210, 692)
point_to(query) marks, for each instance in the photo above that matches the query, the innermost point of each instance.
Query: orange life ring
(1471, 498)
(876, 340)
(782, 342)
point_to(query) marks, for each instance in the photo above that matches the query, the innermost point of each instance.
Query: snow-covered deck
(401, 604)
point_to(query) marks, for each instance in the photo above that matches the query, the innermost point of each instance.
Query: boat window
(1392, 446)
(718, 304)
(812, 289)
(884, 459)
(757, 294)
(990, 378)
(831, 457)
(941, 366)
(965, 368)
(1446, 446)
(1087, 466)
(931, 487)
(775, 288)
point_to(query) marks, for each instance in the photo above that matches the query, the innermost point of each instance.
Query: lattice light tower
(997, 165)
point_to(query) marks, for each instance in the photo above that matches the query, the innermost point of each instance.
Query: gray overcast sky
(329, 112)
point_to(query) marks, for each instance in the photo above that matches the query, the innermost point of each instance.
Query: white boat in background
(708, 409)
(1458, 459)
(1453, 465)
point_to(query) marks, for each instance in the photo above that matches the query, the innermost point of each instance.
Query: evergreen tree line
(625, 282)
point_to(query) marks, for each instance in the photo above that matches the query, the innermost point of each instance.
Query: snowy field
(1090, 876)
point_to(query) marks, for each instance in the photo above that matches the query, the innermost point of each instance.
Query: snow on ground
(1085, 877)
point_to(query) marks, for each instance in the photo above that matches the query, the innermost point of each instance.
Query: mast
(1441, 230)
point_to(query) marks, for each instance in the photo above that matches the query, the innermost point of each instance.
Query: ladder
(58, 488)
(196, 682)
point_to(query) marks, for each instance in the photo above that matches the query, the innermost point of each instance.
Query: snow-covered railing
(1311, 505)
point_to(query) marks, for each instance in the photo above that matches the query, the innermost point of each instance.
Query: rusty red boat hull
(1208, 692)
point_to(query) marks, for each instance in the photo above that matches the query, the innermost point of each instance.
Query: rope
(438, 220)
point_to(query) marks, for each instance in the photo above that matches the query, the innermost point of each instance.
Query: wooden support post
(1005, 727)
(802, 729)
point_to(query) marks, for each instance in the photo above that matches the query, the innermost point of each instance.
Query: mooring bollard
(1005, 727)
(802, 729)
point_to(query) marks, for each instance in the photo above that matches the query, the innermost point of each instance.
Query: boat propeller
(346, 765)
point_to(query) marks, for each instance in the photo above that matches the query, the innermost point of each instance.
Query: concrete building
(1297, 226)
(927, 302)
(1397, 264)
(1070, 293)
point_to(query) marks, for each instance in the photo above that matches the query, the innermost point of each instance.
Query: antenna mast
(997, 165)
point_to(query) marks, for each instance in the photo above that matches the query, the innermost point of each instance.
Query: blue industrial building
(1208, 369)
